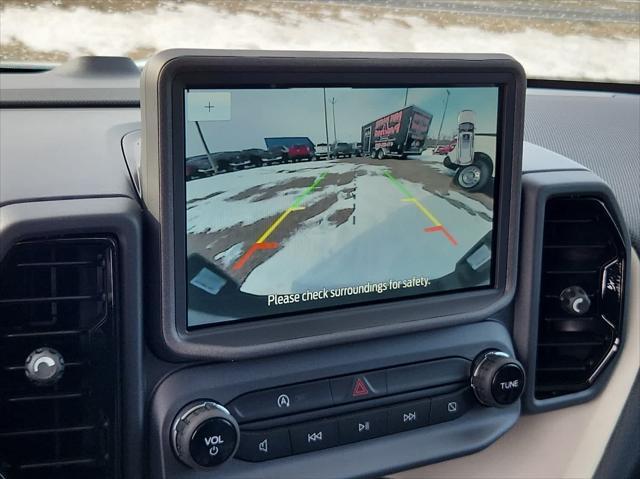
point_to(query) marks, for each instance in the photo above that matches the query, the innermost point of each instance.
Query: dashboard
(268, 264)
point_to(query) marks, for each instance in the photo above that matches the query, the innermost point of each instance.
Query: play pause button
(361, 426)
(409, 416)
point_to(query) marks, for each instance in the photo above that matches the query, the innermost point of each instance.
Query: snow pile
(82, 31)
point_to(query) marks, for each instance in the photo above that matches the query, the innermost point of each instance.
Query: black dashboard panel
(563, 121)
(323, 371)
(30, 147)
(63, 174)
(115, 216)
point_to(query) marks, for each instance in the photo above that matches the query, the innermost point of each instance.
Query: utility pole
(446, 103)
(212, 162)
(335, 136)
(326, 122)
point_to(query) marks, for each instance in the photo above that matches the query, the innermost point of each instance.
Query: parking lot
(305, 222)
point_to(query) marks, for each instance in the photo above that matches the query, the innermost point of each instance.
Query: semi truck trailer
(397, 134)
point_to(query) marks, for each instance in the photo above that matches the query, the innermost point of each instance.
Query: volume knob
(204, 434)
(497, 380)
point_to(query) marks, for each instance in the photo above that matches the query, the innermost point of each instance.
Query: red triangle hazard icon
(360, 388)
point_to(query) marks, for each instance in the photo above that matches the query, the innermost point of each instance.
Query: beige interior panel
(566, 443)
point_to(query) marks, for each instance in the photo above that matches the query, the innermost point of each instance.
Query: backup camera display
(301, 199)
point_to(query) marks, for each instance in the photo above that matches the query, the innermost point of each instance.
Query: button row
(321, 394)
(300, 438)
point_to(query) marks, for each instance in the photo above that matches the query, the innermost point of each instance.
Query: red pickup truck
(300, 152)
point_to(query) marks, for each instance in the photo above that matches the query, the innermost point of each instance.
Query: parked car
(301, 152)
(260, 157)
(281, 152)
(445, 149)
(198, 167)
(344, 150)
(322, 151)
(231, 160)
(296, 148)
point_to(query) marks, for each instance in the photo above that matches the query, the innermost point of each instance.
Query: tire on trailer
(474, 177)
(484, 158)
(380, 154)
(449, 164)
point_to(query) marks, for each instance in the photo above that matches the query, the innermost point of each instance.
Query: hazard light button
(358, 387)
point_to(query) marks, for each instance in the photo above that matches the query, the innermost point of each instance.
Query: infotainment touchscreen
(301, 199)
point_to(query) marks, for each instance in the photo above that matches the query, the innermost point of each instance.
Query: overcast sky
(257, 114)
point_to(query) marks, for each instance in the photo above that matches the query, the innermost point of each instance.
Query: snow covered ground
(49, 30)
(382, 238)
(206, 215)
(389, 243)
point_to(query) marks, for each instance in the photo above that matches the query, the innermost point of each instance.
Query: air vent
(581, 295)
(57, 301)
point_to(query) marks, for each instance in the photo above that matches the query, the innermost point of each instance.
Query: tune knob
(575, 300)
(497, 379)
(204, 434)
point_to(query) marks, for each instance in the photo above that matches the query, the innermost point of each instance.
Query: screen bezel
(294, 331)
(180, 216)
